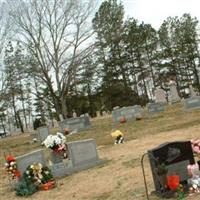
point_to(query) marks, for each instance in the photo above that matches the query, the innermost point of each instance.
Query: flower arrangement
(37, 174)
(34, 178)
(11, 167)
(55, 141)
(196, 147)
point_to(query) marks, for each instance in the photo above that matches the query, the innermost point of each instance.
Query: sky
(156, 11)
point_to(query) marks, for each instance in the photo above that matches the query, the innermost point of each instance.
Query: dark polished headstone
(175, 156)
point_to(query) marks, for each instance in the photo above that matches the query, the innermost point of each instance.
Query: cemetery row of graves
(175, 166)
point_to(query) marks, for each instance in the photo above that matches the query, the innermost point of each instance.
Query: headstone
(173, 97)
(192, 92)
(83, 154)
(43, 132)
(34, 157)
(61, 169)
(61, 117)
(75, 124)
(175, 156)
(98, 113)
(56, 157)
(160, 96)
(74, 114)
(129, 112)
(154, 108)
(87, 115)
(192, 103)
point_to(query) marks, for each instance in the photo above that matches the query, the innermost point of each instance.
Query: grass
(173, 118)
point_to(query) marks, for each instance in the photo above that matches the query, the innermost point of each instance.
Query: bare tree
(4, 25)
(59, 32)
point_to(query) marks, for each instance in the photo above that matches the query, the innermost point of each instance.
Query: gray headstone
(76, 124)
(129, 112)
(27, 159)
(192, 103)
(160, 96)
(176, 156)
(83, 154)
(43, 132)
(173, 97)
(192, 92)
(61, 169)
(56, 157)
(155, 107)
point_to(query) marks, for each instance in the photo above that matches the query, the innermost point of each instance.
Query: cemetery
(115, 171)
(98, 104)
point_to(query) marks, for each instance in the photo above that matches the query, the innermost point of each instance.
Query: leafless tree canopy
(59, 32)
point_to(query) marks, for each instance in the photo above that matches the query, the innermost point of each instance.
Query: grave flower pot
(48, 185)
(173, 182)
(122, 120)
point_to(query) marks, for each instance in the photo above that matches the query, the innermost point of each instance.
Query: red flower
(10, 158)
(17, 173)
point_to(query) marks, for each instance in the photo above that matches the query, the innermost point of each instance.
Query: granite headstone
(160, 96)
(192, 103)
(61, 169)
(175, 156)
(154, 108)
(43, 132)
(173, 97)
(129, 112)
(27, 159)
(83, 154)
(75, 124)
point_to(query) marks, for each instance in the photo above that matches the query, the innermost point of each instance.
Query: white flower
(12, 163)
(6, 164)
(31, 166)
(27, 172)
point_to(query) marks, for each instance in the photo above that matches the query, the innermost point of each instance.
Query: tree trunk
(20, 122)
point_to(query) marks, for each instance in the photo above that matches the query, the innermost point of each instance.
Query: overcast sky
(156, 11)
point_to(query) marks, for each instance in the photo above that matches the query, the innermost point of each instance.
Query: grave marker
(61, 169)
(129, 112)
(160, 96)
(75, 124)
(43, 132)
(155, 107)
(192, 103)
(25, 160)
(175, 156)
(83, 154)
(173, 97)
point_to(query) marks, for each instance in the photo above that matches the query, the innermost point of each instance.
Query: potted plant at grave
(161, 172)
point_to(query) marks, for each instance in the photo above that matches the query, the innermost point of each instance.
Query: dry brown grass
(120, 177)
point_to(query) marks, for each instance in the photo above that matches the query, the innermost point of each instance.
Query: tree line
(64, 57)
